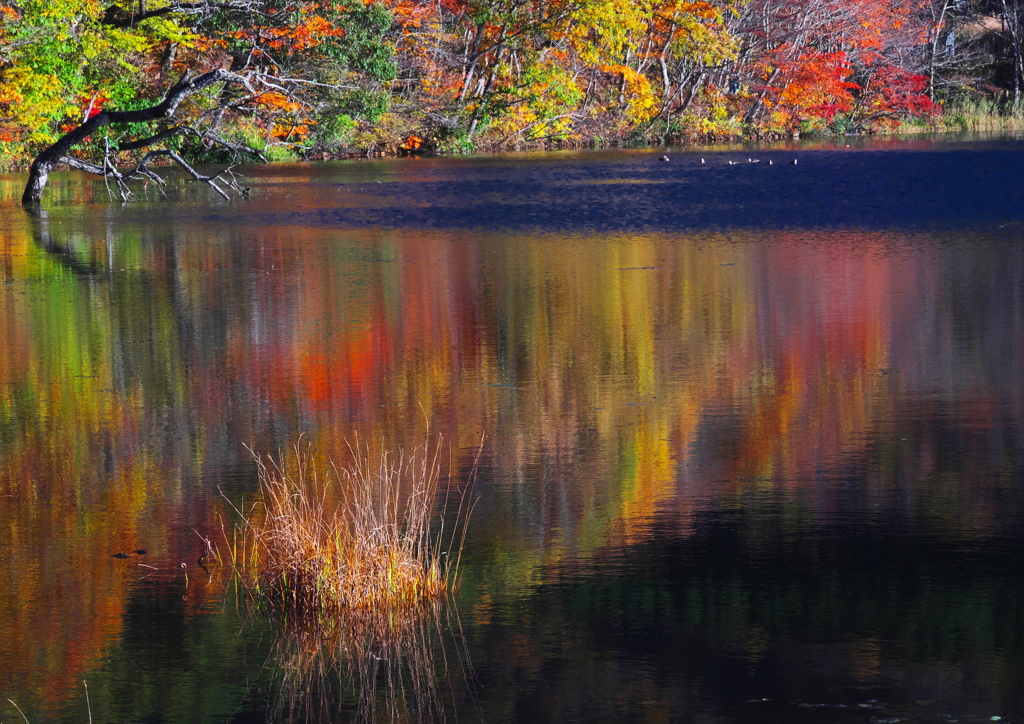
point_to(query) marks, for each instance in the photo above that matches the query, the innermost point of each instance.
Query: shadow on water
(939, 187)
(753, 617)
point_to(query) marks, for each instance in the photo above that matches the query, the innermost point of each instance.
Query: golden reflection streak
(597, 366)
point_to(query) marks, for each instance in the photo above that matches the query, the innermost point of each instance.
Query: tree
(1013, 31)
(247, 68)
(818, 61)
(120, 90)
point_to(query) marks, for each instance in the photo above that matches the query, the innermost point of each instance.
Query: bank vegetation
(122, 89)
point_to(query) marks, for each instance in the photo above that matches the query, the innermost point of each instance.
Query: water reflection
(368, 666)
(721, 465)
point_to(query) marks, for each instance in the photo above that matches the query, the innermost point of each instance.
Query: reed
(351, 537)
(973, 114)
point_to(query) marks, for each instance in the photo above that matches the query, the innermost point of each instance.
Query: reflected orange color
(820, 399)
(614, 379)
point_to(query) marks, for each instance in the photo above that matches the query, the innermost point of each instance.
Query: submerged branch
(142, 170)
(58, 153)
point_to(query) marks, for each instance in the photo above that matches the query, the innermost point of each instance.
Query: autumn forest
(251, 80)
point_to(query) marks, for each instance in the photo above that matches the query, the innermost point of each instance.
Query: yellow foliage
(609, 29)
(641, 105)
(551, 96)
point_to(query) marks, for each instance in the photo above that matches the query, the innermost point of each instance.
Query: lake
(747, 433)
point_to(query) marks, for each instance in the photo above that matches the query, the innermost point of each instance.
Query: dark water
(752, 433)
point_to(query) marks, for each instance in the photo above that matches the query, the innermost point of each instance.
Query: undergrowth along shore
(380, 532)
(979, 115)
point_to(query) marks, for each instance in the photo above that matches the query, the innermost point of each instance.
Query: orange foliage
(808, 55)
(278, 101)
(303, 36)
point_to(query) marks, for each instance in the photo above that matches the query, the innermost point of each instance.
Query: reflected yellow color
(615, 378)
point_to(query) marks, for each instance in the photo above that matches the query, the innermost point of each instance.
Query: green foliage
(333, 131)
(843, 123)
(251, 136)
(455, 143)
(278, 153)
(366, 49)
(365, 103)
(58, 57)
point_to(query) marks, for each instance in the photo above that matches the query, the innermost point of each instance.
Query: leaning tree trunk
(57, 153)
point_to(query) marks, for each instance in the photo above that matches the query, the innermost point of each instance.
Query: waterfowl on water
(123, 555)
(665, 158)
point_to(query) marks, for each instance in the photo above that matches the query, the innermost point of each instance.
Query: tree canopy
(113, 89)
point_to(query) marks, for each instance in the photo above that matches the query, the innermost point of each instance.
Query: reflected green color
(719, 466)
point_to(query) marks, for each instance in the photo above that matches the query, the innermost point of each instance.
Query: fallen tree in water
(162, 113)
(256, 78)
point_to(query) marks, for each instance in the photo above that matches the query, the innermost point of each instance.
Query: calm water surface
(753, 433)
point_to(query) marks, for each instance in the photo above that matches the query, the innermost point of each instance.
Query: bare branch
(183, 89)
(236, 147)
(151, 140)
(141, 169)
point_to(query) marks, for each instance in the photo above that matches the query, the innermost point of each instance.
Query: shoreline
(907, 131)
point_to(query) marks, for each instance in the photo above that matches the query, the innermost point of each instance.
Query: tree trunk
(49, 158)
(935, 49)
(1011, 20)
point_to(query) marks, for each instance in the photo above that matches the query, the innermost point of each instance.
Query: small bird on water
(665, 158)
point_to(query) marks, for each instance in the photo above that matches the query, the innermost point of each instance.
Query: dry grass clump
(351, 537)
